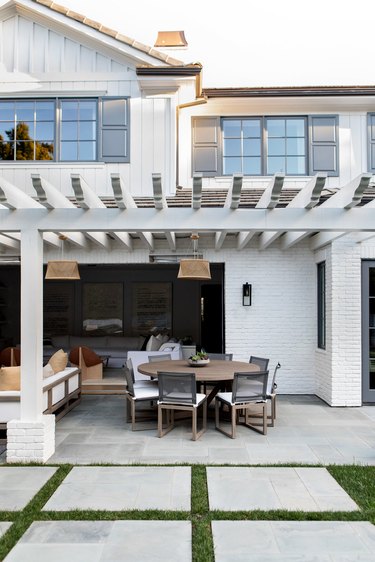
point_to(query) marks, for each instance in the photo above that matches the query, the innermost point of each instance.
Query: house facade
(119, 148)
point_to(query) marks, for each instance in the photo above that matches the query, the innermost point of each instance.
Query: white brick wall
(281, 323)
(31, 441)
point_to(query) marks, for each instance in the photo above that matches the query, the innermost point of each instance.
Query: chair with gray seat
(156, 358)
(138, 392)
(177, 391)
(221, 356)
(249, 392)
(260, 361)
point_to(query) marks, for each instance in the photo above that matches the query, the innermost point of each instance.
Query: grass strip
(203, 546)
(23, 519)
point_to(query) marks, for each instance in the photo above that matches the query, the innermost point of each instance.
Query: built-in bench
(61, 393)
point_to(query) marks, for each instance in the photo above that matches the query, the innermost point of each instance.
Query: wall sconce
(246, 294)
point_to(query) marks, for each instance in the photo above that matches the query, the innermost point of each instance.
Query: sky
(255, 43)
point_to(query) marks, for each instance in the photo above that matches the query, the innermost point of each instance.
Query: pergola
(27, 222)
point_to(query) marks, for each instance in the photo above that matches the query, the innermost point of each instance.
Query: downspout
(199, 100)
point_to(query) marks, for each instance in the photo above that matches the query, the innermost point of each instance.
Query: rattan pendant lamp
(63, 270)
(195, 268)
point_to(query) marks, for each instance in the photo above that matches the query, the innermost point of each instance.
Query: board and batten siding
(46, 63)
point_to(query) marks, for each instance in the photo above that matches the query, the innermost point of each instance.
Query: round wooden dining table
(215, 373)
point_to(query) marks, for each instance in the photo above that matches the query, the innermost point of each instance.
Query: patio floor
(307, 431)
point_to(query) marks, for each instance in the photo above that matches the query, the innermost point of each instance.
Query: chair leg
(170, 421)
(198, 434)
(263, 405)
(231, 434)
(234, 421)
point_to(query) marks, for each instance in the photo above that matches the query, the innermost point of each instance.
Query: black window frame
(99, 127)
(321, 305)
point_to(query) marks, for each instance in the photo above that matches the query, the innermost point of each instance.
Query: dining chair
(271, 394)
(138, 393)
(249, 390)
(138, 383)
(177, 391)
(218, 357)
(161, 357)
(260, 361)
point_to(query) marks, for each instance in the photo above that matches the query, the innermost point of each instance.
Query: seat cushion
(200, 399)
(149, 392)
(10, 378)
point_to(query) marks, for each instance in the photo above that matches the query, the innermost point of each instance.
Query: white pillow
(153, 344)
(48, 371)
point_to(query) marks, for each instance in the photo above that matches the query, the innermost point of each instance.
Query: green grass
(358, 481)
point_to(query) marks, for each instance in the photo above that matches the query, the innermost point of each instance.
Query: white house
(276, 181)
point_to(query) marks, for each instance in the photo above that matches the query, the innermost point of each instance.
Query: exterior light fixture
(195, 268)
(65, 270)
(246, 294)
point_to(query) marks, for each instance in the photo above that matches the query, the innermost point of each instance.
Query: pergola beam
(232, 201)
(307, 198)
(161, 203)
(186, 220)
(196, 194)
(9, 243)
(346, 198)
(125, 200)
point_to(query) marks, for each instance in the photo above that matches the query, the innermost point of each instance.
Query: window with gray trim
(371, 141)
(65, 130)
(321, 302)
(259, 146)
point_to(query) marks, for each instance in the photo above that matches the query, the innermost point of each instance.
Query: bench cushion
(10, 378)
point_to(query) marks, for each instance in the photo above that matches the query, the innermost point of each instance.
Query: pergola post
(32, 437)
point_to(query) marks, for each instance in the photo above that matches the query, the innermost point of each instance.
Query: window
(65, 130)
(261, 146)
(321, 274)
(371, 141)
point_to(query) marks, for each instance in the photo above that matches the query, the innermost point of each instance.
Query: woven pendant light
(195, 268)
(63, 270)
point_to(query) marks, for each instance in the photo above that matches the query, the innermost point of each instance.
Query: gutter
(200, 99)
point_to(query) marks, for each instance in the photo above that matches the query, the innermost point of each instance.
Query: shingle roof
(216, 198)
(110, 32)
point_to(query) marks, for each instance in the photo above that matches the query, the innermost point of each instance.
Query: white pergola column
(32, 437)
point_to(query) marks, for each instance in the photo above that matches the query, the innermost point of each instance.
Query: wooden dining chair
(177, 391)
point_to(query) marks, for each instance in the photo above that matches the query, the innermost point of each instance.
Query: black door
(212, 325)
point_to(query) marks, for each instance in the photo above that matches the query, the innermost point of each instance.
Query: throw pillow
(58, 361)
(10, 378)
(48, 371)
(153, 344)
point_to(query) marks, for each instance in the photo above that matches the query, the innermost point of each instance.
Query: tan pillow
(58, 361)
(10, 378)
(48, 371)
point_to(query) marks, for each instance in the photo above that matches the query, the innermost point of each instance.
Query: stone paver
(307, 431)
(4, 526)
(292, 541)
(18, 485)
(104, 541)
(249, 488)
(123, 488)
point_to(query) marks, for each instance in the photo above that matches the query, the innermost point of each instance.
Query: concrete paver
(4, 526)
(250, 488)
(292, 541)
(18, 485)
(104, 541)
(123, 488)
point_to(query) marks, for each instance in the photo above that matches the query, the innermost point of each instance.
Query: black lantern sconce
(246, 294)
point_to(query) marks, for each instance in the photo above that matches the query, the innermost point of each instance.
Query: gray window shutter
(205, 133)
(371, 141)
(324, 144)
(114, 130)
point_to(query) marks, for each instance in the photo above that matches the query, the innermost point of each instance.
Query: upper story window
(65, 130)
(260, 146)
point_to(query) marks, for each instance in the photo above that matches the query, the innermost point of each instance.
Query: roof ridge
(151, 51)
